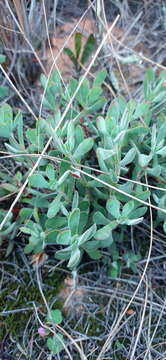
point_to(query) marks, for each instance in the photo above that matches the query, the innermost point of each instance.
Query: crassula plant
(91, 185)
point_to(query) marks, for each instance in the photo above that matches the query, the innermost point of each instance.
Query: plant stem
(74, 276)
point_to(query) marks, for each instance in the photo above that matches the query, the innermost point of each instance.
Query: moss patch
(20, 291)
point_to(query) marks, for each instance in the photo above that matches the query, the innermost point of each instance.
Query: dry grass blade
(47, 30)
(142, 317)
(25, 37)
(20, 12)
(140, 55)
(103, 25)
(154, 332)
(18, 93)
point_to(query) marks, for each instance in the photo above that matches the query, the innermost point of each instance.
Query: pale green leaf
(100, 219)
(54, 207)
(54, 317)
(128, 208)
(38, 181)
(88, 49)
(83, 148)
(87, 235)
(2, 59)
(71, 136)
(129, 157)
(75, 200)
(100, 77)
(105, 231)
(74, 258)
(6, 120)
(113, 207)
(78, 43)
(4, 91)
(55, 344)
(162, 151)
(101, 124)
(50, 172)
(94, 95)
(141, 110)
(71, 55)
(134, 221)
(64, 238)
(143, 159)
(73, 221)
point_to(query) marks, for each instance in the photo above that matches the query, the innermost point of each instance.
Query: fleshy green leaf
(162, 151)
(95, 254)
(4, 91)
(105, 231)
(82, 93)
(6, 120)
(74, 258)
(54, 344)
(128, 208)
(88, 49)
(54, 207)
(50, 172)
(83, 148)
(101, 124)
(2, 59)
(114, 269)
(25, 213)
(38, 181)
(19, 122)
(71, 55)
(87, 235)
(56, 222)
(96, 106)
(100, 219)
(63, 178)
(143, 159)
(73, 221)
(100, 77)
(75, 200)
(134, 221)
(64, 238)
(164, 226)
(113, 207)
(138, 212)
(94, 95)
(129, 157)
(141, 110)
(70, 136)
(78, 43)
(104, 154)
(55, 317)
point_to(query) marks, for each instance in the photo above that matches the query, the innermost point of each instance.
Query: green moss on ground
(17, 295)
